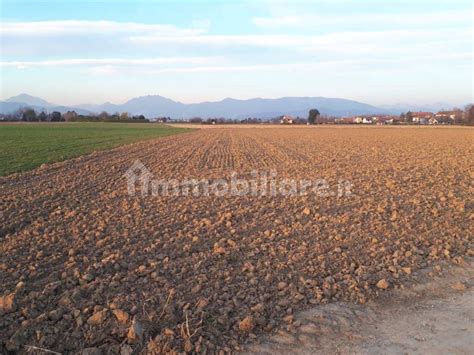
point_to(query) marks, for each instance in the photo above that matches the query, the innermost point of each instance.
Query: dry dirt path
(432, 314)
(82, 263)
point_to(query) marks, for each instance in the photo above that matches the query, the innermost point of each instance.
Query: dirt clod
(458, 286)
(382, 284)
(135, 332)
(246, 324)
(121, 316)
(97, 318)
(7, 303)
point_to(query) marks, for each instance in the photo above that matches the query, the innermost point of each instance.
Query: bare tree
(103, 115)
(469, 114)
(70, 116)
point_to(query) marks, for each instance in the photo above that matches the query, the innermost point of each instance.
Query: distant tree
(124, 116)
(141, 117)
(42, 116)
(196, 120)
(17, 115)
(300, 120)
(403, 116)
(322, 119)
(409, 117)
(56, 116)
(313, 116)
(458, 115)
(70, 116)
(214, 120)
(103, 115)
(469, 114)
(29, 115)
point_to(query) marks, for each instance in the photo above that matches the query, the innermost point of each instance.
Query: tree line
(314, 117)
(465, 117)
(30, 115)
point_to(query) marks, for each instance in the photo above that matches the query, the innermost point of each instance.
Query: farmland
(87, 265)
(26, 146)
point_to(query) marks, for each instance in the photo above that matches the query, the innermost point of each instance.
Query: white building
(287, 119)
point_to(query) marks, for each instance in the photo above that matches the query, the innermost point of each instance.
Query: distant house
(384, 120)
(445, 120)
(344, 120)
(376, 119)
(418, 117)
(433, 121)
(441, 120)
(364, 119)
(449, 117)
(287, 119)
(454, 114)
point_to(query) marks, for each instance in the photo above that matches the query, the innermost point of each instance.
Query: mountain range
(38, 104)
(158, 106)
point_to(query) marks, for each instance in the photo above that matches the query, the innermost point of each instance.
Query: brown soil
(85, 265)
(433, 313)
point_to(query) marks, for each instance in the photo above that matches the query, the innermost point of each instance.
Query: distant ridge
(158, 106)
(29, 100)
(38, 104)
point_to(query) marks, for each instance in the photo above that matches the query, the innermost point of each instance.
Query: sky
(379, 52)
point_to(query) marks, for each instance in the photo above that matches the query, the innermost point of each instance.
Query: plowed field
(85, 265)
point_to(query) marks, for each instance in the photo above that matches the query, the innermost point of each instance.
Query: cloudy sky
(379, 52)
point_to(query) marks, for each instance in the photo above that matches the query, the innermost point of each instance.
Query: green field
(26, 146)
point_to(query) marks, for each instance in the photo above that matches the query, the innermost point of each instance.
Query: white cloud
(143, 36)
(351, 42)
(348, 64)
(353, 47)
(102, 70)
(222, 40)
(80, 27)
(235, 68)
(103, 62)
(400, 20)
